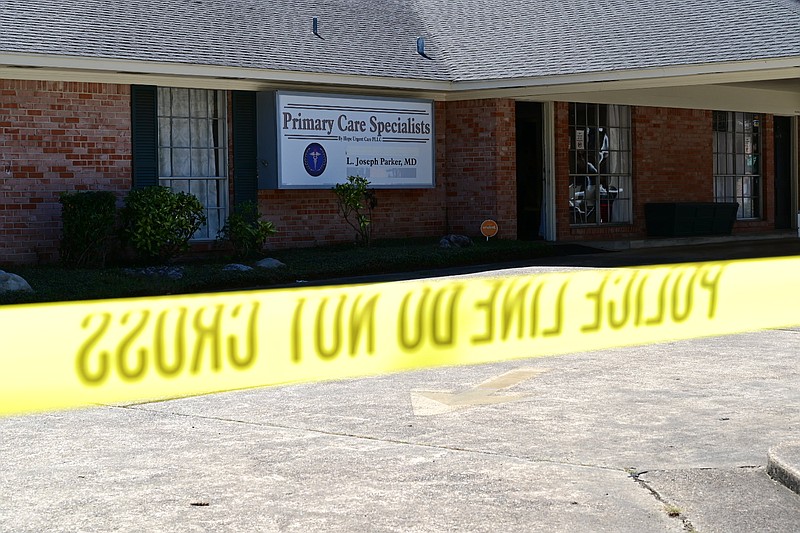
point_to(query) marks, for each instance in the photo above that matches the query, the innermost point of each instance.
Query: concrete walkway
(783, 464)
(671, 437)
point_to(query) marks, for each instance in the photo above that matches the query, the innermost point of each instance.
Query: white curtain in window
(192, 159)
(617, 159)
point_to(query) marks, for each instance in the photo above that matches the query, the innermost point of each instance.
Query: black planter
(690, 219)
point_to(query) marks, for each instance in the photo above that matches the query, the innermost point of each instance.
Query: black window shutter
(144, 135)
(245, 172)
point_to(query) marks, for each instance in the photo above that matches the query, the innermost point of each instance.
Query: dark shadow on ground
(576, 255)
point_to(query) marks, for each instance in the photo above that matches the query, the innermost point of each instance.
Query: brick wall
(672, 161)
(481, 169)
(672, 156)
(56, 137)
(59, 137)
(561, 147)
(475, 180)
(309, 217)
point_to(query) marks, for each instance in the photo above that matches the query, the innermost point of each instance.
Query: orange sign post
(489, 228)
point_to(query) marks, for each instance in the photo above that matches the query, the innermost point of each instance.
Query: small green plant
(672, 510)
(158, 222)
(88, 220)
(245, 230)
(355, 201)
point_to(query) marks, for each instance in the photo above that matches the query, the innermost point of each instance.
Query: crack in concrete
(687, 524)
(669, 508)
(138, 407)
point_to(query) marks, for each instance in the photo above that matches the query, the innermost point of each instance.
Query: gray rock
(236, 267)
(270, 263)
(12, 282)
(455, 241)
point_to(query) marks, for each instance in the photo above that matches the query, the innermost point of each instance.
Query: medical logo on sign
(315, 159)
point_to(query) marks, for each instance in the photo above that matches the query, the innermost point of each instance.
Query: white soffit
(719, 97)
(761, 89)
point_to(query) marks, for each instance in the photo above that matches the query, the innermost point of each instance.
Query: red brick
(43, 158)
(672, 161)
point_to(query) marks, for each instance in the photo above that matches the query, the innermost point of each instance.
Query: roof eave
(74, 68)
(105, 70)
(684, 75)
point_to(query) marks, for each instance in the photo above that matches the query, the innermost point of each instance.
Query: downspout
(549, 169)
(794, 183)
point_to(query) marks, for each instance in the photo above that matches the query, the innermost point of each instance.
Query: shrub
(88, 220)
(158, 222)
(355, 201)
(245, 230)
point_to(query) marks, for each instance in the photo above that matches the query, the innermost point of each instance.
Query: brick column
(481, 166)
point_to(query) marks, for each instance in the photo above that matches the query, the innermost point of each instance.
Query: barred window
(192, 148)
(737, 161)
(600, 184)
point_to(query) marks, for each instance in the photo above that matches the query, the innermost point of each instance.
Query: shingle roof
(490, 39)
(375, 38)
(466, 39)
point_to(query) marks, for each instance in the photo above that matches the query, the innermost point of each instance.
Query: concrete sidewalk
(670, 437)
(783, 464)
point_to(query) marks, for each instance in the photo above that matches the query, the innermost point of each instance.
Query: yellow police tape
(75, 354)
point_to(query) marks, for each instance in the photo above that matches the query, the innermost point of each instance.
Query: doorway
(783, 172)
(530, 170)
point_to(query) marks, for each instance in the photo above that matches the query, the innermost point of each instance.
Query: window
(737, 165)
(600, 164)
(192, 150)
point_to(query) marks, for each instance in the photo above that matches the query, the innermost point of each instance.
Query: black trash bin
(690, 219)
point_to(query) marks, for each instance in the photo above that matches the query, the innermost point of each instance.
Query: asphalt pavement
(678, 436)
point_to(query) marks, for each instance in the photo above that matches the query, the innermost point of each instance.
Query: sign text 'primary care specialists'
(323, 139)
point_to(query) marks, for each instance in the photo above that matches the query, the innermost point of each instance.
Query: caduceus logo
(315, 159)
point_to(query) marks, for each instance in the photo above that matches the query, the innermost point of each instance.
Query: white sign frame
(324, 138)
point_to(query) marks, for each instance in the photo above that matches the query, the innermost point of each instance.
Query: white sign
(579, 142)
(323, 139)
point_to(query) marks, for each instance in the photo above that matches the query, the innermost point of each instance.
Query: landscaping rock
(236, 267)
(270, 263)
(156, 271)
(455, 241)
(12, 282)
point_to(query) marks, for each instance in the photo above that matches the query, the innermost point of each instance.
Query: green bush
(245, 230)
(355, 201)
(158, 222)
(88, 220)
